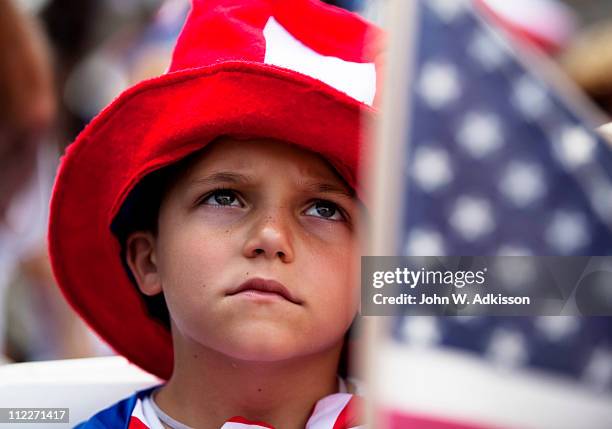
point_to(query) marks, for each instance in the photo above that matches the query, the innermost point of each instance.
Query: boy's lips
(265, 287)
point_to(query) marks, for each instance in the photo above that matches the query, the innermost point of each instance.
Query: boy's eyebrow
(223, 176)
(328, 188)
(239, 178)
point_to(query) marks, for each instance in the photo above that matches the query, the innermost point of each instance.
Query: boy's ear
(140, 255)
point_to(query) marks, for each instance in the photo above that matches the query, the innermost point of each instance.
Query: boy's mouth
(262, 286)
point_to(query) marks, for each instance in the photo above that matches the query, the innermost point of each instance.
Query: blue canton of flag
(497, 164)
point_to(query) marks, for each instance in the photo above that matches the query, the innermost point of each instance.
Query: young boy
(206, 223)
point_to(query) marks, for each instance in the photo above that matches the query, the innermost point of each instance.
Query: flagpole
(383, 175)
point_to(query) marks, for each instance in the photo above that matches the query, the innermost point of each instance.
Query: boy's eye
(222, 197)
(325, 209)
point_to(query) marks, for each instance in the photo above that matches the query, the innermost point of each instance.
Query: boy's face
(255, 210)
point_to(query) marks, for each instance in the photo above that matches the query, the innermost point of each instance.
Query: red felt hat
(297, 71)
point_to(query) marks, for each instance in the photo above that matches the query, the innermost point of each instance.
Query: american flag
(494, 159)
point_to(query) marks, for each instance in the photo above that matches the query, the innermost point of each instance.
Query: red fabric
(136, 424)
(231, 30)
(399, 420)
(351, 415)
(242, 420)
(222, 30)
(346, 35)
(170, 117)
(217, 86)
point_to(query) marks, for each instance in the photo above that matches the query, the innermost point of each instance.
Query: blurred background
(62, 61)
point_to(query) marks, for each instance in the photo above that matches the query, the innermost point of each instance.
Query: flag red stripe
(239, 419)
(399, 420)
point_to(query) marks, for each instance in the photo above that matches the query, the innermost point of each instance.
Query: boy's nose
(270, 238)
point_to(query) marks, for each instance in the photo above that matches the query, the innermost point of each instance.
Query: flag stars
(486, 50)
(530, 98)
(557, 328)
(472, 218)
(480, 134)
(431, 168)
(421, 331)
(598, 371)
(507, 348)
(424, 242)
(522, 183)
(575, 147)
(567, 232)
(438, 84)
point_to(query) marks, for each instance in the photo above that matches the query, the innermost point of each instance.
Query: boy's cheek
(331, 232)
(335, 286)
(195, 244)
(212, 218)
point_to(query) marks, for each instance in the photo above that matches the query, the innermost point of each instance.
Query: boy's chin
(261, 354)
(263, 340)
(263, 348)
(270, 347)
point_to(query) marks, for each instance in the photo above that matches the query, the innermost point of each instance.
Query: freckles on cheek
(195, 255)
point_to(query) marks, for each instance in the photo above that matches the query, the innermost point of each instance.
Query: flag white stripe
(455, 385)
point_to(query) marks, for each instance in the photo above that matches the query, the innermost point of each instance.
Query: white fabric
(357, 80)
(144, 412)
(85, 386)
(327, 410)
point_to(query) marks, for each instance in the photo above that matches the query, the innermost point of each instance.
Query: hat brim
(156, 123)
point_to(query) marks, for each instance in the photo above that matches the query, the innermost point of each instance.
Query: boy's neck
(207, 388)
